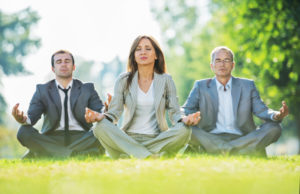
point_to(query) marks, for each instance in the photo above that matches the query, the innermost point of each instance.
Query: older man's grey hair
(218, 49)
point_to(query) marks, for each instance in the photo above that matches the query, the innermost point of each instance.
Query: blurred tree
(265, 36)
(84, 69)
(15, 43)
(108, 75)
(187, 42)
(102, 74)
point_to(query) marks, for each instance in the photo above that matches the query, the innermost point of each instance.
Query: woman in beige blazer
(144, 93)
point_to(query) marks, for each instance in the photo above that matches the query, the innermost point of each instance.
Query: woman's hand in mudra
(93, 116)
(192, 119)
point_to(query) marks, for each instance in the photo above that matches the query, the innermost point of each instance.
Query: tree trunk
(298, 130)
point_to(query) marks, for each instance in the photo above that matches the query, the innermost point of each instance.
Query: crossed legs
(117, 142)
(52, 144)
(257, 140)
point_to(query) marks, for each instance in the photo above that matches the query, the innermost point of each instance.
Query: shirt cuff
(272, 117)
(27, 122)
(108, 118)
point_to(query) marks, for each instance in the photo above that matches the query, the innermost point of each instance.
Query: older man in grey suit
(62, 102)
(227, 105)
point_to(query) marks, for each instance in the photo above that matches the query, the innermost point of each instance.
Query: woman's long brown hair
(159, 65)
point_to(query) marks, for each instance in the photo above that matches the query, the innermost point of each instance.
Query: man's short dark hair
(61, 52)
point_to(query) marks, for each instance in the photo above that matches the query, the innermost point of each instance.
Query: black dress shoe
(195, 149)
(261, 153)
(29, 155)
(87, 153)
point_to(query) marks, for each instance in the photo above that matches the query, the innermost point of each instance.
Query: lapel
(236, 94)
(53, 93)
(212, 90)
(75, 91)
(159, 86)
(133, 89)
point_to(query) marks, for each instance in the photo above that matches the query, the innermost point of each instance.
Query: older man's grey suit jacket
(46, 101)
(245, 100)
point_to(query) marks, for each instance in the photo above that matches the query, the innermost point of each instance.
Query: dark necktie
(225, 89)
(67, 134)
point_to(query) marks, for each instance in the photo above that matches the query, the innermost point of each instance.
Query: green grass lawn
(183, 174)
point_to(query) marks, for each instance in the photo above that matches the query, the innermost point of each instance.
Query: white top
(144, 120)
(225, 120)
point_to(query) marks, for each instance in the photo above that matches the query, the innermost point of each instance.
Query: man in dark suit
(62, 103)
(227, 105)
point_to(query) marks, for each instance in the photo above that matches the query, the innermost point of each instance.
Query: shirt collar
(228, 85)
(68, 86)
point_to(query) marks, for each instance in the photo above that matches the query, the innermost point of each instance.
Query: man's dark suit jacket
(46, 101)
